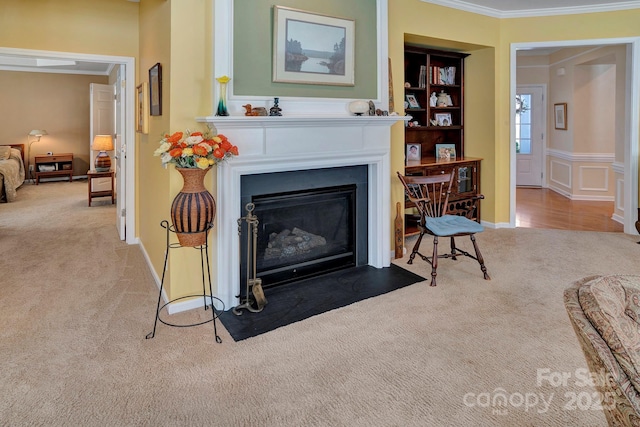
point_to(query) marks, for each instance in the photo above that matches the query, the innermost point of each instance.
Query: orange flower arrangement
(195, 149)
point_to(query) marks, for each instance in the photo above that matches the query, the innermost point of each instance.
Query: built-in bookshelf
(435, 80)
(434, 137)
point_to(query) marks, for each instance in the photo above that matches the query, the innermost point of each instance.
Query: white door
(102, 110)
(120, 155)
(530, 135)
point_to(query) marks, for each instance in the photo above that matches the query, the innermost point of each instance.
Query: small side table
(92, 194)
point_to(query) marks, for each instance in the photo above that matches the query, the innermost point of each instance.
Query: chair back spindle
(430, 194)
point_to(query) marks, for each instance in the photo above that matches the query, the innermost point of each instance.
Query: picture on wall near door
(142, 108)
(155, 91)
(560, 111)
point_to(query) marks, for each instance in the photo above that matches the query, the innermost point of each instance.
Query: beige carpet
(74, 314)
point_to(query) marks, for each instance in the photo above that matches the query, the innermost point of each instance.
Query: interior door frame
(632, 133)
(128, 64)
(543, 125)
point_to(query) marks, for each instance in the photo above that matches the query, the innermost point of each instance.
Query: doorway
(530, 140)
(628, 193)
(126, 154)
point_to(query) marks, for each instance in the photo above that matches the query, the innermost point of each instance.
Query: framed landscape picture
(312, 48)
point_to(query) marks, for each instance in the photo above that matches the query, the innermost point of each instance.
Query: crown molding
(550, 11)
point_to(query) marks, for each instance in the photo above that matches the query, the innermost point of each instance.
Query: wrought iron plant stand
(208, 298)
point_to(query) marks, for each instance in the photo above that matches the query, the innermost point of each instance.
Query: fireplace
(310, 222)
(271, 145)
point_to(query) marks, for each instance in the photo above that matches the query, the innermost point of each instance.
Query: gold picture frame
(298, 34)
(560, 115)
(142, 108)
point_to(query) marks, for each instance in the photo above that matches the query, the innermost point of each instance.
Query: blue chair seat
(448, 225)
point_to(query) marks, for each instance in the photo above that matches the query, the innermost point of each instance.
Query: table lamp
(102, 143)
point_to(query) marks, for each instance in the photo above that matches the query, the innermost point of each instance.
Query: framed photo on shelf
(312, 48)
(445, 152)
(443, 119)
(414, 153)
(155, 90)
(413, 102)
(142, 108)
(560, 111)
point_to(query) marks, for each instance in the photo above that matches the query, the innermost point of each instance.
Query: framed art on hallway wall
(142, 108)
(155, 90)
(560, 113)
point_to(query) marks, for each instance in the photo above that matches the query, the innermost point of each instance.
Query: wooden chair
(430, 194)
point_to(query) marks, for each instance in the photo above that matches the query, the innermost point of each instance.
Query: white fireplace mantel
(285, 143)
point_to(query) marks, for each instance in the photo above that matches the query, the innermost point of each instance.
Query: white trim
(129, 64)
(632, 113)
(582, 157)
(568, 166)
(590, 198)
(618, 167)
(521, 13)
(223, 60)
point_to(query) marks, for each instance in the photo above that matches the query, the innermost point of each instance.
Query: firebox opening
(301, 234)
(310, 222)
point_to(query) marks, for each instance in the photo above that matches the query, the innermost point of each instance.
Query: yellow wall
(104, 27)
(178, 35)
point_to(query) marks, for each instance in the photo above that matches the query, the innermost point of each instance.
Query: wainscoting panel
(560, 173)
(593, 178)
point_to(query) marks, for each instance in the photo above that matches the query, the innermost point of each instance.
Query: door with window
(530, 135)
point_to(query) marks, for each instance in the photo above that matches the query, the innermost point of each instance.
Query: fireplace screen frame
(255, 187)
(341, 251)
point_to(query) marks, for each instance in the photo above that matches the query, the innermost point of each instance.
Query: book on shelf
(422, 79)
(442, 75)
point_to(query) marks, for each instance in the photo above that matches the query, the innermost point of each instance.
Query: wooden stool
(92, 194)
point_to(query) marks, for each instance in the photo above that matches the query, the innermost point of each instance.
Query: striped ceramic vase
(193, 209)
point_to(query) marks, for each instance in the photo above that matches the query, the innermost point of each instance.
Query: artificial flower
(195, 149)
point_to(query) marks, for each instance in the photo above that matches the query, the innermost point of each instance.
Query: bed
(12, 173)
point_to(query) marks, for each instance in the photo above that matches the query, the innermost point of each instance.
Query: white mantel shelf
(281, 121)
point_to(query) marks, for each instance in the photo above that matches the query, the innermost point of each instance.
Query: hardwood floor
(544, 208)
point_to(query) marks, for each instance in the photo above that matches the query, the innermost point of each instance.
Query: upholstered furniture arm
(620, 400)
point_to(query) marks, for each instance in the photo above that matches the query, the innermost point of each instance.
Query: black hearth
(311, 222)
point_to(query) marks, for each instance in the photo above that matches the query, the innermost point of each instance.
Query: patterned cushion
(448, 225)
(611, 305)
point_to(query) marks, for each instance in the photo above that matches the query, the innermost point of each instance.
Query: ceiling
(522, 8)
(496, 8)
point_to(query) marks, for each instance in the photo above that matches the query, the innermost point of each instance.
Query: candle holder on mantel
(275, 110)
(222, 103)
